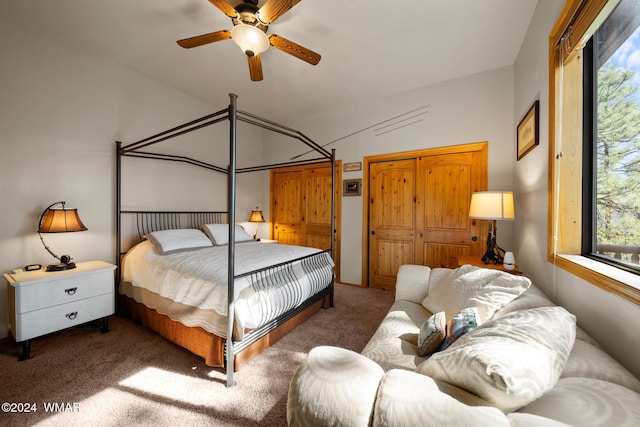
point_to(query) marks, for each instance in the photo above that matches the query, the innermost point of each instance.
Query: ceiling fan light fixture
(252, 40)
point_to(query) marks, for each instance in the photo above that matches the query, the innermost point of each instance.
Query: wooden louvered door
(418, 209)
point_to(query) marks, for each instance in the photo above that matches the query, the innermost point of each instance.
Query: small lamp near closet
(59, 221)
(256, 216)
(493, 206)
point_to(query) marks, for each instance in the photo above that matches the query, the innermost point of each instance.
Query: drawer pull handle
(71, 316)
(71, 291)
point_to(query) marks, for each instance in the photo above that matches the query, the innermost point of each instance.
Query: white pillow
(469, 286)
(170, 241)
(510, 361)
(219, 234)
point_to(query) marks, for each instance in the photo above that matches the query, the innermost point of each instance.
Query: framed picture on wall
(528, 131)
(350, 167)
(351, 187)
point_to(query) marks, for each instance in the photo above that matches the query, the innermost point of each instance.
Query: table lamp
(59, 221)
(256, 216)
(492, 205)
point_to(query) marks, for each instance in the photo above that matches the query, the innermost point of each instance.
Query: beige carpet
(130, 376)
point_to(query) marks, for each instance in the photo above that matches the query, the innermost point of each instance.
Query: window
(611, 210)
(594, 157)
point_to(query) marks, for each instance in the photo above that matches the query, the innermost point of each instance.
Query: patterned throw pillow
(432, 333)
(463, 322)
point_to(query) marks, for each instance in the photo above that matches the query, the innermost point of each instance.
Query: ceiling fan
(250, 24)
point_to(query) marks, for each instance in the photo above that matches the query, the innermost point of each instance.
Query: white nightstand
(42, 302)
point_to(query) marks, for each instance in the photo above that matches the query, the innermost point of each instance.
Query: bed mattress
(191, 286)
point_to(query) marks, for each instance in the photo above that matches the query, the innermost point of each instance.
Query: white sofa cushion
(509, 361)
(533, 297)
(320, 394)
(519, 419)
(589, 361)
(407, 399)
(412, 282)
(395, 342)
(469, 286)
(588, 402)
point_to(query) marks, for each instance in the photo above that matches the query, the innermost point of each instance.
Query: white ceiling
(369, 48)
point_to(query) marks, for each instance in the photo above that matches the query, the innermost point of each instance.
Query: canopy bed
(197, 278)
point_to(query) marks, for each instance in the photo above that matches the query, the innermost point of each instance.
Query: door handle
(474, 238)
(373, 232)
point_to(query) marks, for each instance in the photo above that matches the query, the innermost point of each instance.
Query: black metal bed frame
(149, 220)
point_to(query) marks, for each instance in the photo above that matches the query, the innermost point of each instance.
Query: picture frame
(352, 187)
(527, 131)
(351, 167)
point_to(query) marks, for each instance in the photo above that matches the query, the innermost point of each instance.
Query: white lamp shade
(252, 40)
(492, 205)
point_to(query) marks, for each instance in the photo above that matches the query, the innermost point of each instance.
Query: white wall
(61, 112)
(607, 317)
(471, 109)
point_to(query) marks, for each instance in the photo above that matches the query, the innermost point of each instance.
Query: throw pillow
(469, 286)
(510, 361)
(432, 332)
(463, 322)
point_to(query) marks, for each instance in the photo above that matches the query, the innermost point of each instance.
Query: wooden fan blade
(255, 68)
(273, 9)
(224, 7)
(204, 39)
(294, 49)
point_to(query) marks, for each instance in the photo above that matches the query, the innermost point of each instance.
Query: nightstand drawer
(36, 323)
(66, 289)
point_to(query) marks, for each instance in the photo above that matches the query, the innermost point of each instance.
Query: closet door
(418, 209)
(317, 197)
(392, 224)
(301, 207)
(444, 186)
(288, 207)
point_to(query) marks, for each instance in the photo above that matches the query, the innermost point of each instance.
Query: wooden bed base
(205, 344)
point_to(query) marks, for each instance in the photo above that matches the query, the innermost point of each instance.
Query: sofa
(524, 362)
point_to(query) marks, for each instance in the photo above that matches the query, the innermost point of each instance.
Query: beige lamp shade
(492, 205)
(256, 216)
(61, 221)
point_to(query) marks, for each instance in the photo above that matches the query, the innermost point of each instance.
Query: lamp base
(492, 257)
(494, 253)
(61, 266)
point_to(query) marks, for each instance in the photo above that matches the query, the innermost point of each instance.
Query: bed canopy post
(231, 201)
(333, 210)
(118, 209)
